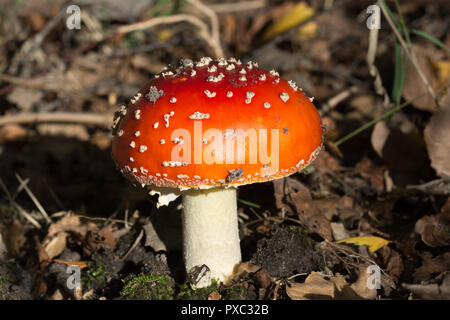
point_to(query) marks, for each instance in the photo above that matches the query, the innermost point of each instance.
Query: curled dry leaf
(431, 291)
(434, 230)
(316, 287)
(434, 71)
(437, 138)
(291, 193)
(56, 245)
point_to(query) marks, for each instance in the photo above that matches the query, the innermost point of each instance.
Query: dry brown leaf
(71, 222)
(245, 268)
(314, 287)
(12, 132)
(14, 238)
(360, 286)
(56, 245)
(431, 291)
(437, 138)
(24, 98)
(434, 230)
(292, 193)
(427, 59)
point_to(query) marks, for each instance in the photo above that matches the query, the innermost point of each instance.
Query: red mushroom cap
(216, 123)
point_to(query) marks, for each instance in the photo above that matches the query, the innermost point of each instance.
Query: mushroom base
(210, 231)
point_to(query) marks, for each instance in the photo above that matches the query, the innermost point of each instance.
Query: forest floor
(64, 208)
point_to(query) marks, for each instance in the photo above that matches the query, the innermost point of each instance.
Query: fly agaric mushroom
(203, 129)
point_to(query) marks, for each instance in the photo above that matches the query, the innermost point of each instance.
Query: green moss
(187, 293)
(148, 287)
(305, 234)
(238, 291)
(96, 274)
(6, 280)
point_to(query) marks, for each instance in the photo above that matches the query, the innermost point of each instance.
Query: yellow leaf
(308, 31)
(298, 14)
(374, 243)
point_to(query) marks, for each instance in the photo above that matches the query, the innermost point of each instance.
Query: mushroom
(202, 129)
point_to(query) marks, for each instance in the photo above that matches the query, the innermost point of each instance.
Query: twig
(18, 207)
(409, 52)
(373, 70)
(335, 100)
(103, 120)
(34, 199)
(138, 239)
(204, 32)
(238, 6)
(215, 30)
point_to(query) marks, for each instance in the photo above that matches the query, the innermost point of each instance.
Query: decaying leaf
(56, 245)
(437, 138)
(316, 287)
(291, 193)
(434, 230)
(373, 243)
(299, 13)
(431, 291)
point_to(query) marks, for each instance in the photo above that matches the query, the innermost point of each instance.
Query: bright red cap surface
(214, 123)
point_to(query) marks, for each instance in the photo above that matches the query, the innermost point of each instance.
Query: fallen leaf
(431, 291)
(373, 243)
(215, 295)
(290, 193)
(57, 245)
(81, 264)
(437, 138)
(299, 13)
(152, 239)
(434, 69)
(361, 288)
(434, 230)
(24, 98)
(245, 268)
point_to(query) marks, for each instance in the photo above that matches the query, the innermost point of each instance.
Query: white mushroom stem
(210, 231)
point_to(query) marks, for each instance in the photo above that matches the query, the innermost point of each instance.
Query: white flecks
(199, 116)
(249, 95)
(238, 62)
(274, 73)
(167, 73)
(171, 164)
(166, 118)
(300, 163)
(137, 114)
(127, 168)
(134, 170)
(143, 171)
(229, 94)
(242, 78)
(222, 62)
(221, 181)
(182, 176)
(137, 133)
(267, 105)
(142, 148)
(162, 141)
(232, 60)
(242, 71)
(277, 80)
(230, 67)
(154, 94)
(131, 159)
(262, 77)
(164, 174)
(293, 85)
(284, 96)
(123, 110)
(186, 63)
(136, 98)
(173, 100)
(193, 73)
(213, 68)
(204, 141)
(311, 99)
(158, 174)
(132, 144)
(209, 94)
(120, 133)
(203, 62)
(215, 78)
(197, 177)
(177, 141)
